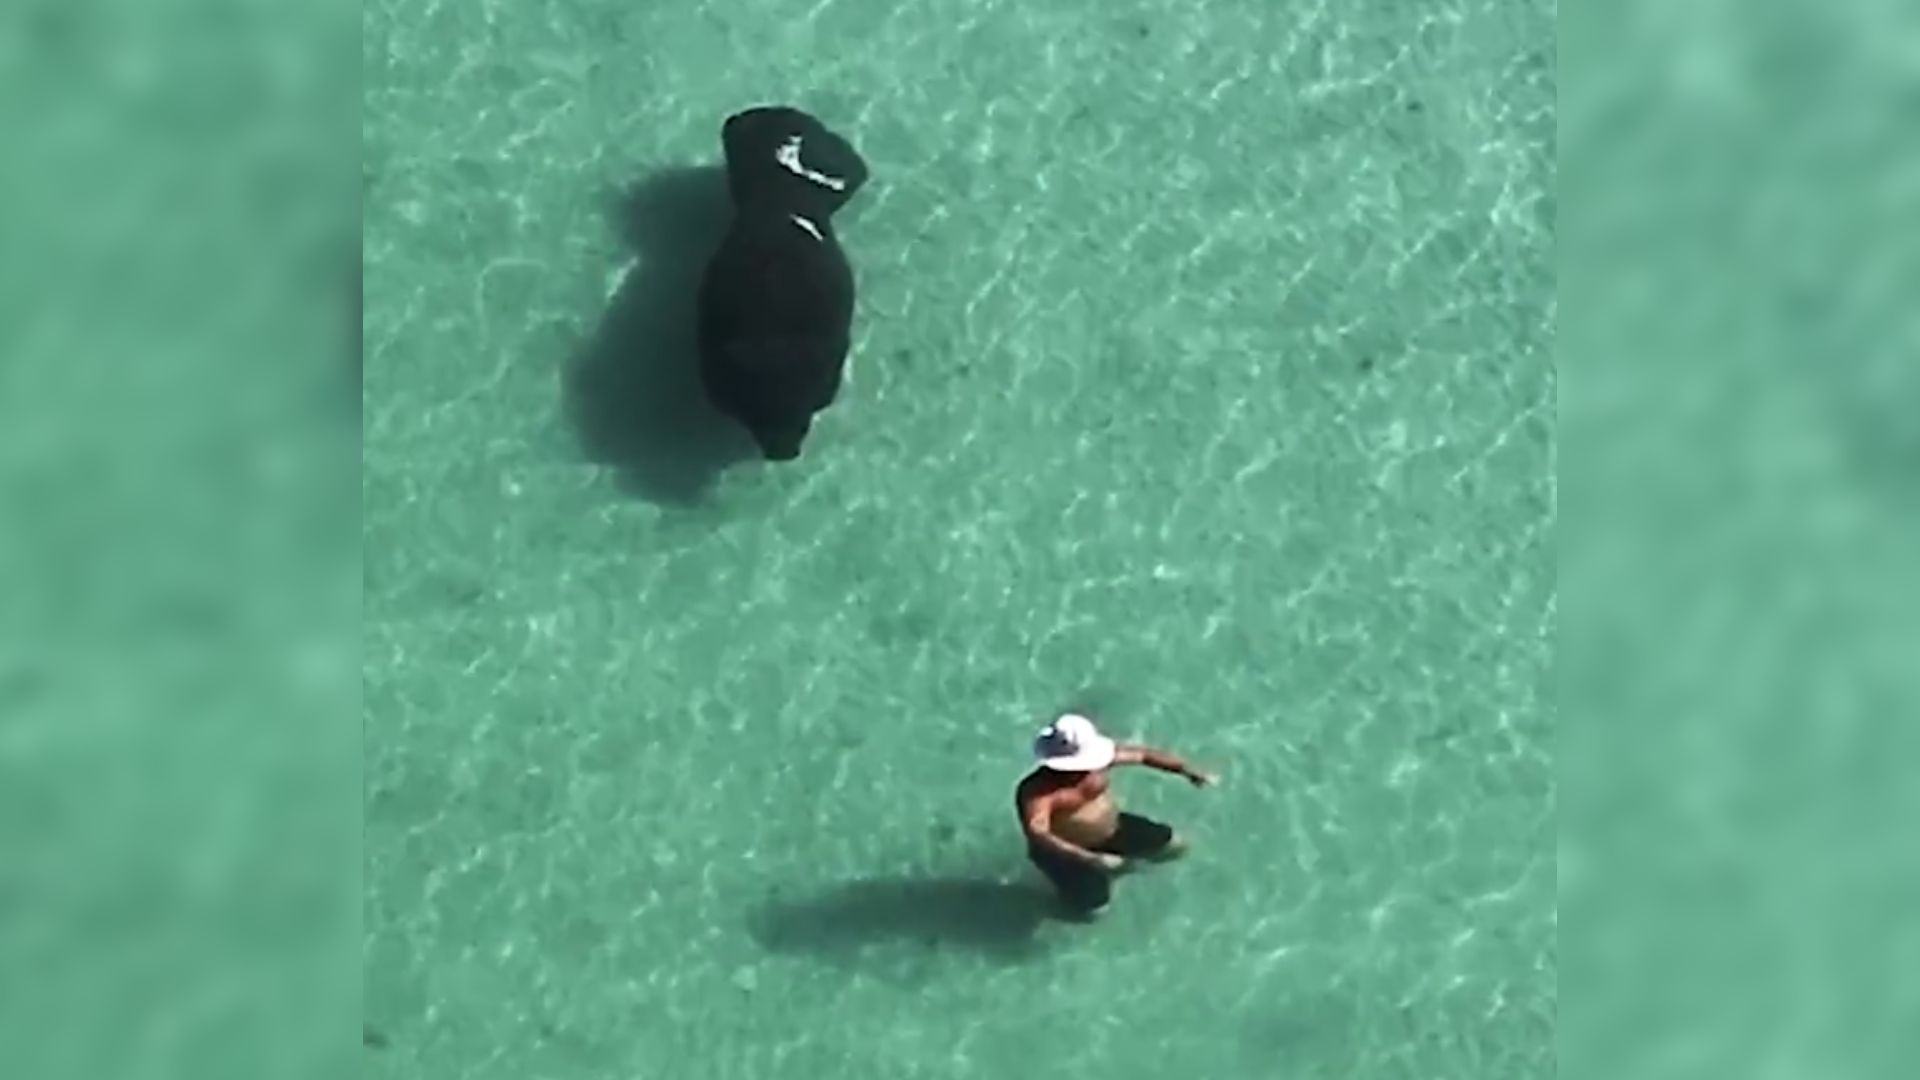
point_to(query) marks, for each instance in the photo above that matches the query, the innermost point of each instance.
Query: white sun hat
(1072, 744)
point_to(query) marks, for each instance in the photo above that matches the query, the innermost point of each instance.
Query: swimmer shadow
(996, 919)
(633, 392)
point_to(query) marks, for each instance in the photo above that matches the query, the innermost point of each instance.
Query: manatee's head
(772, 385)
(781, 441)
(785, 159)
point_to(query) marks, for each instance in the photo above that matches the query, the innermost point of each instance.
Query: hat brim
(1092, 757)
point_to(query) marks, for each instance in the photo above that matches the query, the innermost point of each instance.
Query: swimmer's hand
(1133, 754)
(1112, 864)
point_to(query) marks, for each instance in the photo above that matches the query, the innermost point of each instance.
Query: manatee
(777, 299)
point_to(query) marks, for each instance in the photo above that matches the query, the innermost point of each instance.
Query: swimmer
(1076, 834)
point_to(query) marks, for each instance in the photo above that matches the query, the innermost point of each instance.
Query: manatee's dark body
(777, 301)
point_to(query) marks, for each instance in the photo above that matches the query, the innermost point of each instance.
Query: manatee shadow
(997, 919)
(633, 393)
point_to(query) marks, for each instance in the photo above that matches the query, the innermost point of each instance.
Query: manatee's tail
(783, 157)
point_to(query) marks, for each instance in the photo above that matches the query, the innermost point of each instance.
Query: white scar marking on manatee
(812, 229)
(619, 277)
(789, 158)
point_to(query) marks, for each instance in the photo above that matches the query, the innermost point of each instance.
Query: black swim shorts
(1087, 888)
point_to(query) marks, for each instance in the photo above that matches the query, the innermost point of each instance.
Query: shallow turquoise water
(1203, 377)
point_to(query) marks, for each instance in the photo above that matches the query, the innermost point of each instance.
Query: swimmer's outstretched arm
(1133, 754)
